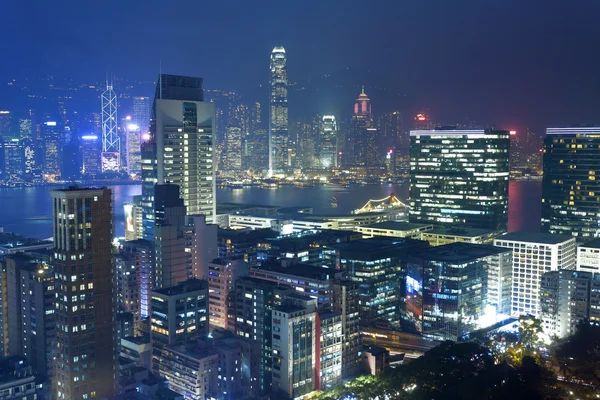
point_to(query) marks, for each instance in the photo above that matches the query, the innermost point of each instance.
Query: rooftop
(397, 226)
(458, 252)
(184, 287)
(378, 247)
(303, 270)
(535, 237)
(592, 244)
(576, 130)
(462, 231)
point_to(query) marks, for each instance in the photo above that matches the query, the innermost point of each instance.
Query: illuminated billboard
(129, 226)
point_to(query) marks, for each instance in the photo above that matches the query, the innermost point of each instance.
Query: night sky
(512, 63)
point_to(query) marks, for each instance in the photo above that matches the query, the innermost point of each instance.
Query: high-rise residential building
(181, 149)
(127, 283)
(566, 298)
(345, 301)
(29, 297)
(111, 141)
(17, 380)
(533, 255)
(85, 352)
(460, 177)
(51, 148)
(446, 289)
(177, 314)
(222, 275)
(141, 113)
(357, 142)
(278, 112)
(571, 189)
(133, 134)
(232, 158)
(588, 256)
(90, 152)
(169, 237)
(144, 251)
(328, 142)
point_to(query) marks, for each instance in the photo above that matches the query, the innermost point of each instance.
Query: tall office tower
(181, 149)
(571, 189)
(52, 148)
(278, 112)
(308, 141)
(257, 158)
(355, 147)
(14, 155)
(222, 275)
(378, 265)
(328, 145)
(144, 250)
(460, 177)
(29, 296)
(177, 314)
(201, 245)
(82, 224)
(295, 352)
(232, 160)
(111, 142)
(134, 152)
(255, 300)
(533, 255)
(255, 116)
(141, 113)
(446, 290)
(169, 237)
(394, 136)
(26, 128)
(345, 300)
(90, 152)
(5, 122)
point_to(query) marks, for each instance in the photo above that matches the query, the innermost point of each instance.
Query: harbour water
(27, 211)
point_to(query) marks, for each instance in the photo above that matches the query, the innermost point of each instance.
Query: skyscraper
(328, 145)
(278, 112)
(52, 148)
(232, 161)
(141, 113)
(355, 150)
(181, 149)
(82, 224)
(571, 189)
(111, 142)
(134, 153)
(460, 177)
(90, 152)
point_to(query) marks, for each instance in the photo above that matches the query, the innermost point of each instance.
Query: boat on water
(334, 202)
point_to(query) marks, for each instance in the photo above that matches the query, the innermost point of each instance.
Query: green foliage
(578, 356)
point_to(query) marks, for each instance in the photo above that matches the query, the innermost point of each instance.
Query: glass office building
(571, 190)
(460, 177)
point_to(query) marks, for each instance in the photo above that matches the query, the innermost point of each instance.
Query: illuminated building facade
(141, 113)
(571, 189)
(328, 142)
(134, 152)
(278, 111)
(566, 298)
(111, 142)
(222, 275)
(460, 177)
(177, 314)
(181, 149)
(358, 138)
(533, 255)
(90, 152)
(232, 160)
(85, 336)
(52, 148)
(446, 289)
